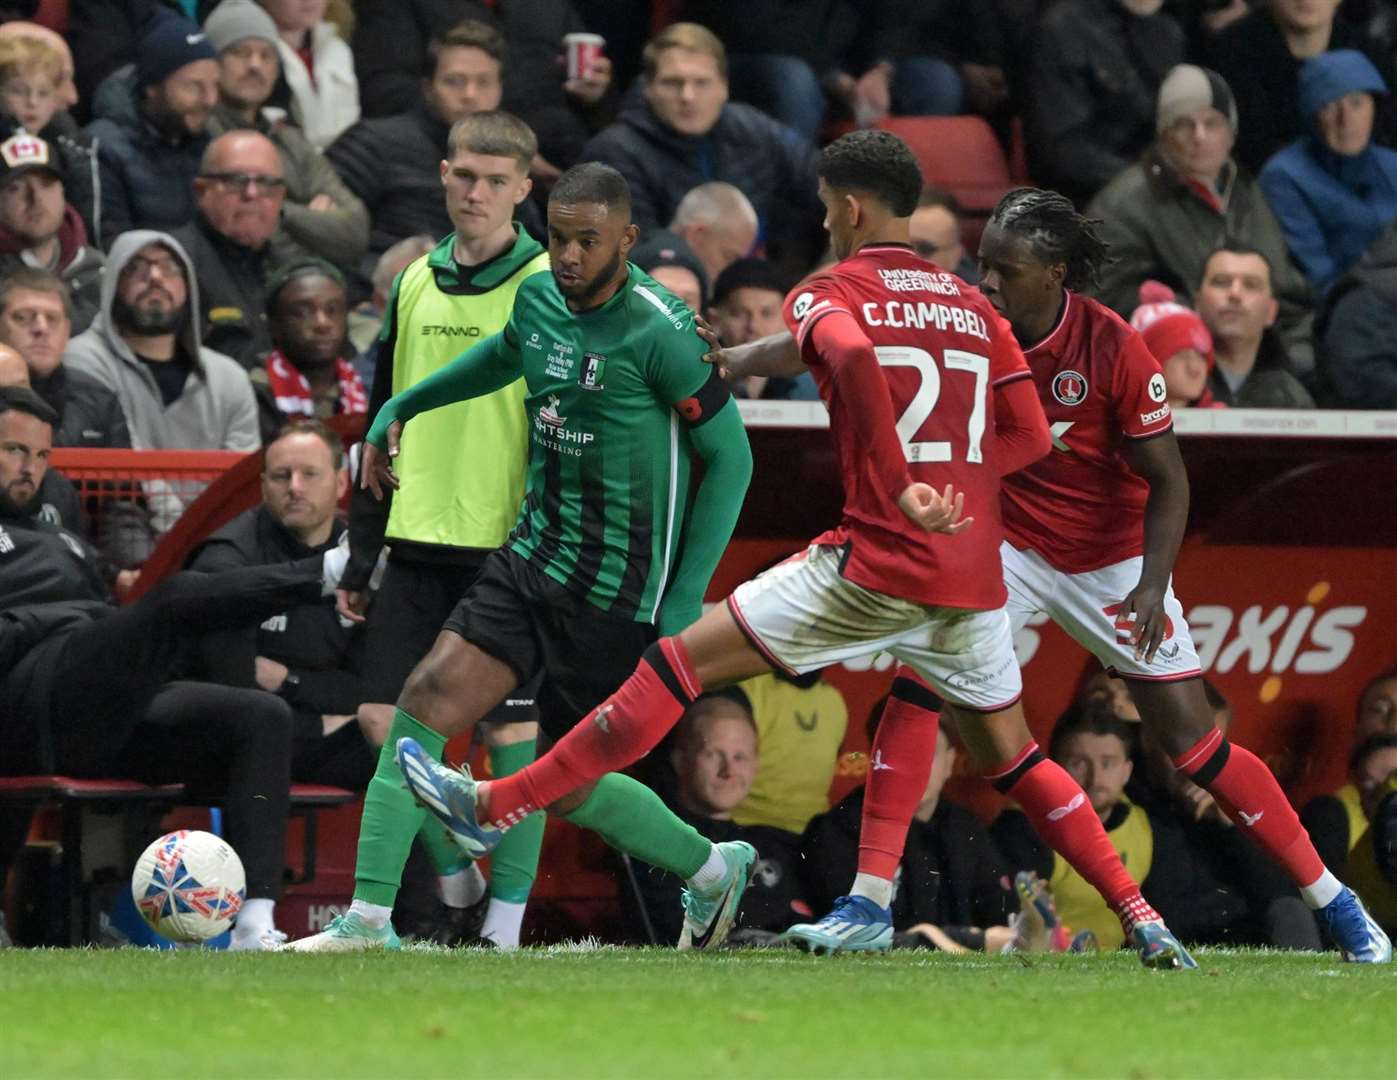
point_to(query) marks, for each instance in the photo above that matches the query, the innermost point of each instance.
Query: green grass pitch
(573, 1013)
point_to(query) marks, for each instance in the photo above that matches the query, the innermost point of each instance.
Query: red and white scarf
(292, 390)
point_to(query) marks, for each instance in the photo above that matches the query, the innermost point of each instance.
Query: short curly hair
(876, 162)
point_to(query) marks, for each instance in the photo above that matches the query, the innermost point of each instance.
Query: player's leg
(412, 602)
(1177, 711)
(460, 680)
(904, 748)
(986, 711)
(1168, 691)
(514, 862)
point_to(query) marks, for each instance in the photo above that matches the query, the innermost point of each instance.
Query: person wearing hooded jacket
(1331, 189)
(144, 344)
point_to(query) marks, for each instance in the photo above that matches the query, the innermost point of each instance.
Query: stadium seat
(962, 155)
(74, 798)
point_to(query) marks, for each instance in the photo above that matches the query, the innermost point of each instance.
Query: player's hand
(935, 511)
(351, 604)
(1146, 603)
(321, 204)
(376, 466)
(716, 355)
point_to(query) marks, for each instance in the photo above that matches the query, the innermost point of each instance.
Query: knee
(268, 717)
(428, 693)
(374, 722)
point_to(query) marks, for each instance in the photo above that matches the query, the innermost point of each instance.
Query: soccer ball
(189, 885)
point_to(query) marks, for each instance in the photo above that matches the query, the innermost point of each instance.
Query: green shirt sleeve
(489, 366)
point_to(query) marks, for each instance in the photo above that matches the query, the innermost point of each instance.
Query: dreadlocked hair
(1056, 233)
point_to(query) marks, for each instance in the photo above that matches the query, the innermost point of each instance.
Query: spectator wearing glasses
(320, 215)
(935, 231)
(239, 192)
(150, 127)
(144, 344)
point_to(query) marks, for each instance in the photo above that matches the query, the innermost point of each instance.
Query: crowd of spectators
(204, 207)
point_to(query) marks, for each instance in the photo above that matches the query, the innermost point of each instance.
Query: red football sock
(621, 730)
(903, 750)
(1249, 794)
(1059, 811)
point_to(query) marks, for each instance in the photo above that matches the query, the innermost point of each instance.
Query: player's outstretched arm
(774, 356)
(1158, 460)
(721, 440)
(480, 370)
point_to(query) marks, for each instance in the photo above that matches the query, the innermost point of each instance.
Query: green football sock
(391, 816)
(632, 818)
(447, 858)
(514, 863)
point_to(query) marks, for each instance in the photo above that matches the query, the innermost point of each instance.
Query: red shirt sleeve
(836, 342)
(1141, 401)
(809, 302)
(1021, 433)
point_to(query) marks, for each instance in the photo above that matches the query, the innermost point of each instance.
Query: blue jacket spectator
(1331, 189)
(150, 128)
(1357, 330)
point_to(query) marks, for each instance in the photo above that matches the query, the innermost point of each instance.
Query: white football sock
(462, 889)
(711, 874)
(375, 915)
(254, 920)
(877, 889)
(502, 923)
(1322, 890)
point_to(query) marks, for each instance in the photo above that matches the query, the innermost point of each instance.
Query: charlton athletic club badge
(1069, 387)
(593, 372)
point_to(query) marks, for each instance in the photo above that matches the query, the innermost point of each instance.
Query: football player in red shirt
(926, 390)
(1093, 528)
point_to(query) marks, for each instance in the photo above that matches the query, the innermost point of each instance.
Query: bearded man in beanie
(1164, 215)
(151, 127)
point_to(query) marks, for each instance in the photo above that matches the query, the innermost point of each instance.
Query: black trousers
(102, 701)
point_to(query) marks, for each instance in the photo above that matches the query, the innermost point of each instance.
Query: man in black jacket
(35, 322)
(238, 194)
(306, 655)
(1093, 73)
(85, 687)
(395, 163)
(683, 132)
(393, 54)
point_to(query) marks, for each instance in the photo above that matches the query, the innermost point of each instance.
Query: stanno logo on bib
(1070, 387)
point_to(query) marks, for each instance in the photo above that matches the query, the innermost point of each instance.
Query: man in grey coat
(144, 344)
(1164, 215)
(320, 215)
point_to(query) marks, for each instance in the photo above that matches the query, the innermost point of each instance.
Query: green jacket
(1160, 227)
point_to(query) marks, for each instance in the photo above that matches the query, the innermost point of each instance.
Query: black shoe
(455, 926)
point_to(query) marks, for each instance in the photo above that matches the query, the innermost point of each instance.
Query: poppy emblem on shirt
(690, 409)
(1070, 387)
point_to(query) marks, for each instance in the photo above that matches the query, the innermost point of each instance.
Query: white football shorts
(1088, 607)
(803, 615)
